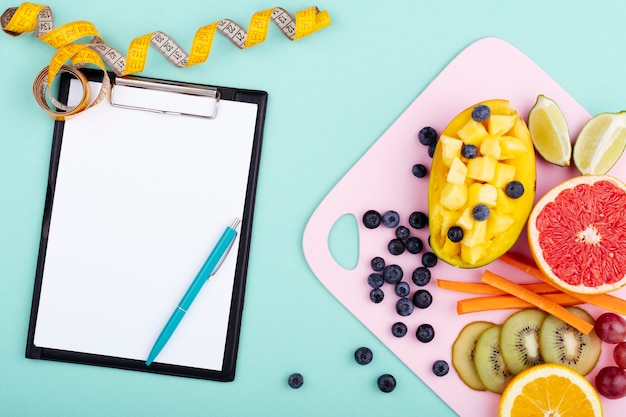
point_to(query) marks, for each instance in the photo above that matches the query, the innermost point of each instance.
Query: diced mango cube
(452, 249)
(453, 196)
(466, 220)
(458, 172)
(471, 254)
(450, 149)
(520, 130)
(498, 224)
(511, 147)
(448, 219)
(472, 132)
(476, 236)
(481, 193)
(482, 168)
(499, 124)
(504, 174)
(504, 204)
(491, 147)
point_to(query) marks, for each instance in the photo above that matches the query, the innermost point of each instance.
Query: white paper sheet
(140, 201)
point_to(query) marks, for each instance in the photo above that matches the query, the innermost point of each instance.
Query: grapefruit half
(577, 234)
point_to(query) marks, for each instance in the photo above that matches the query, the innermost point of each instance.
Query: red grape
(611, 328)
(619, 354)
(611, 382)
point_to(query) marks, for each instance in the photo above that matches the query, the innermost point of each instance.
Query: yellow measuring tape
(28, 17)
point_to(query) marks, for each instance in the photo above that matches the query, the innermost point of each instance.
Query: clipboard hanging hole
(343, 241)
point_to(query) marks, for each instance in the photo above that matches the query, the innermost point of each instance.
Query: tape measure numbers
(29, 17)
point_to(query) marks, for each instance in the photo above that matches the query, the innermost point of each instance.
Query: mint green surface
(330, 97)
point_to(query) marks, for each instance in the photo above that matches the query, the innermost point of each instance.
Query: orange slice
(549, 390)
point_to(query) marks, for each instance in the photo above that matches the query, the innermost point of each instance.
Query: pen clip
(221, 261)
(230, 245)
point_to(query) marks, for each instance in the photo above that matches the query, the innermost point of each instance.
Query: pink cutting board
(382, 180)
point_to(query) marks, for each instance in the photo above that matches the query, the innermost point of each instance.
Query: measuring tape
(28, 17)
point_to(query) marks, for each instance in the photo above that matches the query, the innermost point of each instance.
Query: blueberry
(414, 245)
(422, 298)
(295, 380)
(469, 151)
(481, 113)
(396, 247)
(418, 220)
(399, 329)
(431, 149)
(372, 219)
(514, 189)
(378, 263)
(419, 170)
(404, 307)
(391, 219)
(455, 234)
(363, 355)
(429, 259)
(402, 289)
(375, 280)
(427, 136)
(440, 367)
(421, 276)
(425, 333)
(480, 212)
(386, 383)
(393, 274)
(377, 295)
(403, 232)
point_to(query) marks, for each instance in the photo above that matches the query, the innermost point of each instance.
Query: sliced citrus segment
(549, 131)
(576, 232)
(549, 390)
(600, 143)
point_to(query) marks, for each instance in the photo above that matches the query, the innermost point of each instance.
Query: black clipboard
(70, 279)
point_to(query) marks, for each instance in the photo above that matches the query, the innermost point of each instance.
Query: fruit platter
(474, 265)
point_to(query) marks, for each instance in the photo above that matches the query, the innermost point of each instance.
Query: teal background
(331, 96)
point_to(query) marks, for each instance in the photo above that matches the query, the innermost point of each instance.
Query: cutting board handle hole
(343, 241)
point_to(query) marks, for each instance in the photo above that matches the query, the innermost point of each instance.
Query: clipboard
(135, 201)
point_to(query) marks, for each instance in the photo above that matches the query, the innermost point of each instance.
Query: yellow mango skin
(525, 172)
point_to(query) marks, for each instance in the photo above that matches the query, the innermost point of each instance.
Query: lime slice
(600, 143)
(549, 132)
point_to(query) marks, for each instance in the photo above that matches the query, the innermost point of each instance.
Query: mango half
(482, 185)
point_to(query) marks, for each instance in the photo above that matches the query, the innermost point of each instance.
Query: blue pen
(210, 267)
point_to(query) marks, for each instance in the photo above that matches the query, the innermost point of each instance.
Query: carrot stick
(537, 300)
(605, 301)
(478, 288)
(500, 302)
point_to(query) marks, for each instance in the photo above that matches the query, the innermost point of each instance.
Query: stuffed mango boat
(482, 184)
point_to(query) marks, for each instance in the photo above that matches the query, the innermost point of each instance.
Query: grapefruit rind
(591, 234)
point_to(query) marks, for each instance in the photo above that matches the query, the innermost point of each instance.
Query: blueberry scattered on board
(414, 245)
(440, 367)
(295, 380)
(391, 219)
(429, 259)
(422, 299)
(425, 333)
(378, 263)
(375, 280)
(372, 219)
(402, 289)
(399, 329)
(396, 247)
(419, 170)
(377, 295)
(421, 276)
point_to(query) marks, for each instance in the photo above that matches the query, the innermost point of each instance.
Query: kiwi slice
(463, 351)
(519, 339)
(561, 343)
(490, 365)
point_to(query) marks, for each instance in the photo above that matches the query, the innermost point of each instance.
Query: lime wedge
(549, 132)
(600, 143)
